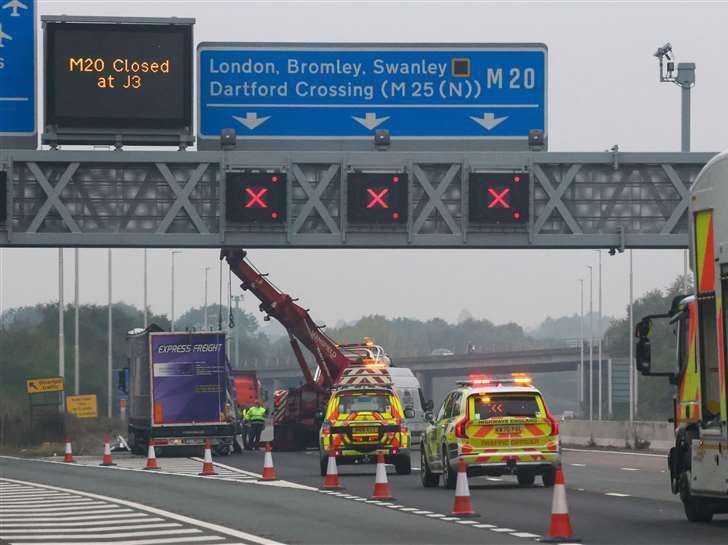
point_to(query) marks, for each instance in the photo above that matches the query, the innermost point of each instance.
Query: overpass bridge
(543, 360)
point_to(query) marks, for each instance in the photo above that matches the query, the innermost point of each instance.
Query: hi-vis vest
(255, 414)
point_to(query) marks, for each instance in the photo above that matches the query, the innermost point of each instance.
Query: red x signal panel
(256, 197)
(377, 197)
(499, 197)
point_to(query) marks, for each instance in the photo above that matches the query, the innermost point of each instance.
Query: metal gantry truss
(177, 199)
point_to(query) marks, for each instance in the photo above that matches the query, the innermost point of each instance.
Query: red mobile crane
(296, 411)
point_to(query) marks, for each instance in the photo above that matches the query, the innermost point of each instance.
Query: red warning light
(274, 179)
(378, 197)
(499, 198)
(516, 215)
(516, 179)
(274, 215)
(395, 216)
(395, 179)
(255, 197)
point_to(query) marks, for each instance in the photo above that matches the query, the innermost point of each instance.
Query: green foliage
(408, 337)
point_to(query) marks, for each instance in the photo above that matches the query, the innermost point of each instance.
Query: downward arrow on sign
(251, 120)
(489, 120)
(370, 120)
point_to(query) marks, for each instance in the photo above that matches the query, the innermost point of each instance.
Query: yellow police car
(363, 417)
(498, 427)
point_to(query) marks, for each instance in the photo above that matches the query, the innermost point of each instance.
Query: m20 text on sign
(118, 76)
(348, 91)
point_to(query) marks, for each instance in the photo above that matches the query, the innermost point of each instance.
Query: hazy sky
(603, 90)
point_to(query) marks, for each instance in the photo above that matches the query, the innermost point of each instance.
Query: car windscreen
(497, 406)
(410, 398)
(364, 402)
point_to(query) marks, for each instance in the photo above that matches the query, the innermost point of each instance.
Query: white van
(410, 394)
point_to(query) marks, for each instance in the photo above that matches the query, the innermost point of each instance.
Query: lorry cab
(364, 416)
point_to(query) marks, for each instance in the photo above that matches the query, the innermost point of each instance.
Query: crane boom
(297, 321)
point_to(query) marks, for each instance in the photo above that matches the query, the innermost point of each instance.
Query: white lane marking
(623, 452)
(494, 479)
(61, 519)
(143, 518)
(629, 469)
(577, 465)
(58, 509)
(467, 522)
(502, 530)
(436, 516)
(173, 532)
(160, 512)
(49, 503)
(524, 534)
(5, 530)
(580, 489)
(484, 526)
(450, 518)
(64, 516)
(617, 494)
(408, 509)
(421, 512)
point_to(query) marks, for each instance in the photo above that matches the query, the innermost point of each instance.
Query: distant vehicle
(179, 390)
(410, 394)
(364, 416)
(442, 352)
(567, 415)
(498, 427)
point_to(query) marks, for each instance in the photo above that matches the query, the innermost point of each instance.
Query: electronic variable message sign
(118, 81)
(252, 197)
(303, 95)
(499, 197)
(377, 197)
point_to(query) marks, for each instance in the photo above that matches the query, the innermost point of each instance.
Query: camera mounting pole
(686, 80)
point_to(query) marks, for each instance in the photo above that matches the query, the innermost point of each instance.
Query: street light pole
(61, 333)
(77, 342)
(146, 312)
(174, 253)
(632, 369)
(206, 321)
(591, 342)
(109, 363)
(600, 330)
(236, 298)
(581, 347)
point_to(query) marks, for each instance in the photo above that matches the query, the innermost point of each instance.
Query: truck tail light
(460, 427)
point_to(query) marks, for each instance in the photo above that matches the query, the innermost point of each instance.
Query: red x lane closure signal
(378, 197)
(255, 197)
(499, 198)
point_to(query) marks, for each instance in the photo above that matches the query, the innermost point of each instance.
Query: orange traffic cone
(560, 528)
(269, 472)
(331, 481)
(68, 454)
(463, 506)
(107, 461)
(207, 467)
(381, 485)
(151, 457)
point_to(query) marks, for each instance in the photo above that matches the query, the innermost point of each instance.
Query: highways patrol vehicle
(363, 417)
(498, 427)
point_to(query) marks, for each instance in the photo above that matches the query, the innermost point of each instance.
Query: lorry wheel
(696, 510)
(525, 478)
(449, 475)
(429, 479)
(548, 478)
(403, 464)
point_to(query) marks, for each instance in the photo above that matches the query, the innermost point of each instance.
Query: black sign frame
(118, 130)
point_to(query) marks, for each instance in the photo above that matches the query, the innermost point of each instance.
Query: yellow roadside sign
(83, 406)
(40, 385)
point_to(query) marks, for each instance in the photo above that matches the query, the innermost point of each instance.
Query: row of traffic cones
(208, 468)
(559, 528)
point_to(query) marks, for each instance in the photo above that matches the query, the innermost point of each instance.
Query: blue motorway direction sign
(345, 91)
(17, 70)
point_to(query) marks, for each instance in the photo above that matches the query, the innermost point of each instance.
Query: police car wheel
(549, 478)
(525, 479)
(429, 479)
(449, 475)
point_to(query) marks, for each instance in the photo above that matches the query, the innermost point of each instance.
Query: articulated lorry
(698, 463)
(180, 391)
